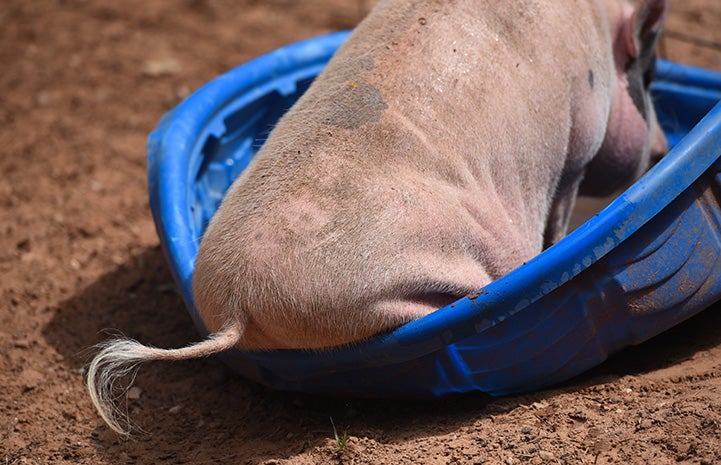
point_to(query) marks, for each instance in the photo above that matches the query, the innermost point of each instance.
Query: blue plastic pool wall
(604, 307)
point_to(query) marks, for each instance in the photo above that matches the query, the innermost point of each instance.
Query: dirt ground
(82, 85)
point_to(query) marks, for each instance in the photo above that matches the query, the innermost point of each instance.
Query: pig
(443, 146)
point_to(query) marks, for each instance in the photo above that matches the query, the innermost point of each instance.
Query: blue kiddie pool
(647, 262)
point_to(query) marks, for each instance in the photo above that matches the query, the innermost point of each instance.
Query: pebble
(43, 99)
(547, 456)
(160, 67)
(134, 393)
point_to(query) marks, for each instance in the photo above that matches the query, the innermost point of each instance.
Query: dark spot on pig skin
(356, 104)
(590, 78)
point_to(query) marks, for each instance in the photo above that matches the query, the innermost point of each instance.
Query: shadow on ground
(218, 415)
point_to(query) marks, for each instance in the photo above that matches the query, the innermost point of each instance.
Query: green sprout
(339, 441)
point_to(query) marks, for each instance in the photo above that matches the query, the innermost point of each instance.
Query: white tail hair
(120, 357)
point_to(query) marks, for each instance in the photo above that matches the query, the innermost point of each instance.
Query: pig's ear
(644, 26)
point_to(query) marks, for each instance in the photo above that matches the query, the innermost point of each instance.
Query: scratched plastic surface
(644, 264)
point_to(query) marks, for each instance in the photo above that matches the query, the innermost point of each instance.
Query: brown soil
(83, 83)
